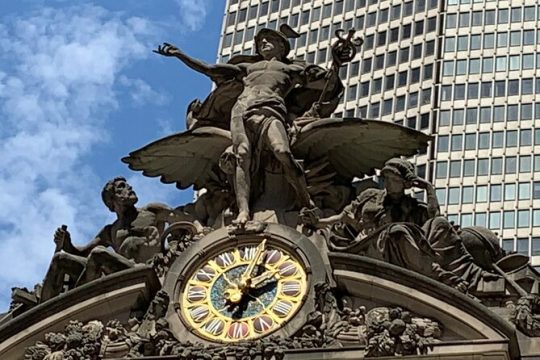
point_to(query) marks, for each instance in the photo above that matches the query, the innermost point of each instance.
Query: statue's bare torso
(269, 79)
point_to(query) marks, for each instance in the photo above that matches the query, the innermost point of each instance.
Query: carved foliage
(77, 341)
(392, 331)
(385, 331)
(523, 314)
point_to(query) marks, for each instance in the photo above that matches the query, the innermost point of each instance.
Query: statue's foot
(241, 219)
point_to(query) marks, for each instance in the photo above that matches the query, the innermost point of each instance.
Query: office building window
(453, 196)
(457, 142)
(512, 113)
(525, 164)
(480, 219)
(494, 220)
(508, 245)
(536, 217)
(466, 220)
(489, 17)
(502, 16)
(508, 219)
(523, 217)
(481, 193)
(498, 114)
(495, 193)
(489, 41)
(523, 246)
(535, 246)
(511, 138)
(467, 194)
(483, 167)
(455, 168)
(526, 112)
(474, 66)
(496, 166)
(515, 15)
(470, 141)
(441, 196)
(502, 39)
(510, 165)
(485, 114)
(468, 167)
(524, 191)
(509, 192)
(483, 140)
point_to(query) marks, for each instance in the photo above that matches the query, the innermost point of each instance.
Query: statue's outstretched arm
(63, 240)
(213, 71)
(346, 216)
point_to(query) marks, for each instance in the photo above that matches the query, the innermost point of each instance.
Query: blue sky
(79, 89)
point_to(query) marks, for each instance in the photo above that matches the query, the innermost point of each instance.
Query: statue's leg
(242, 180)
(61, 264)
(279, 144)
(101, 261)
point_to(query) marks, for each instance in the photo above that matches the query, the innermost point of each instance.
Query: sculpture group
(263, 148)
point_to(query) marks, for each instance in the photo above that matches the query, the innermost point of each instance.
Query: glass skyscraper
(466, 71)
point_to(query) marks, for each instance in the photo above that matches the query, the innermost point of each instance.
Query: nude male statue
(134, 238)
(259, 118)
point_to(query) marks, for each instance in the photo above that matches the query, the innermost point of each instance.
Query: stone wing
(188, 158)
(355, 147)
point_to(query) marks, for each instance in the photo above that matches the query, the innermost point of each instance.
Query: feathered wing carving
(188, 158)
(355, 147)
(345, 148)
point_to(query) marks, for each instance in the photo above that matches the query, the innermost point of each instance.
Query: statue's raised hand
(421, 183)
(61, 237)
(152, 235)
(167, 50)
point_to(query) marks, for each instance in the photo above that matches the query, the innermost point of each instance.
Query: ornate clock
(228, 288)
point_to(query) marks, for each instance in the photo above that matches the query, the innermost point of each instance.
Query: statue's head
(398, 175)
(271, 43)
(118, 193)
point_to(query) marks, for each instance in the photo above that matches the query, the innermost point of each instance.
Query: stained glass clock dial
(243, 293)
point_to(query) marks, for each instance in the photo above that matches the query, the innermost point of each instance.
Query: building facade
(466, 71)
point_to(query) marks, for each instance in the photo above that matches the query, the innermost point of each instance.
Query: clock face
(243, 293)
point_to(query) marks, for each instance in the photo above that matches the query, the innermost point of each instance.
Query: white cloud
(142, 93)
(58, 78)
(193, 13)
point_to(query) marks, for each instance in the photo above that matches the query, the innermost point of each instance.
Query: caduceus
(343, 51)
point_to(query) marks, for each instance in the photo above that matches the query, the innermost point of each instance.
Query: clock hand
(229, 281)
(258, 300)
(246, 276)
(263, 277)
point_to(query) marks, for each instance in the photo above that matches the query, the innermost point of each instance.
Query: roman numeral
(199, 313)
(291, 288)
(273, 256)
(238, 330)
(214, 326)
(205, 274)
(249, 252)
(196, 293)
(262, 323)
(287, 269)
(225, 259)
(282, 308)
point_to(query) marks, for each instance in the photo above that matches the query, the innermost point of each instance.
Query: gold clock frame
(208, 322)
(300, 248)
